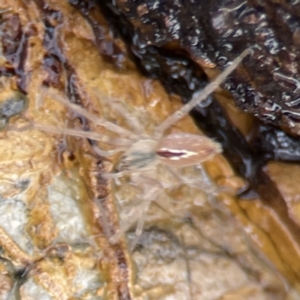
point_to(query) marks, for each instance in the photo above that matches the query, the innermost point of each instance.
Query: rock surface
(68, 233)
(213, 33)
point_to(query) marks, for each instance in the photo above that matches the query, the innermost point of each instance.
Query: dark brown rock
(214, 33)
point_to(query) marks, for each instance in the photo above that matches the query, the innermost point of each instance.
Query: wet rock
(13, 105)
(213, 33)
(58, 211)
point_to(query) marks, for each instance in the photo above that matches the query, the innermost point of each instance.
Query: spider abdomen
(186, 149)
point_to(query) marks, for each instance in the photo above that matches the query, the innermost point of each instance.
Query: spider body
(177, 149)
(143, 153)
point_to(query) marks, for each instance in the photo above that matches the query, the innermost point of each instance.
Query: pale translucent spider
(142, 152)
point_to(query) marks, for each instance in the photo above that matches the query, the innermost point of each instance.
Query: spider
(142, 153)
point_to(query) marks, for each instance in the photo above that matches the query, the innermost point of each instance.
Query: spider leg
(114, 176)
(201, 95)
(166, 204)
(93, 118)
(152, 190)
(138, 215)
(140, 223)
(80, 133)
(183, 179)
(151, 195)
(202, 182)
(120, 108)
(107, 153)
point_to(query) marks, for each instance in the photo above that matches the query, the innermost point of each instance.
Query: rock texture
(66, 232)
(212, 33)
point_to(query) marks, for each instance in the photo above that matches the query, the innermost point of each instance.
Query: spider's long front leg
(91, 117)
(121, 143)
(80, 133)
(121, 109)
(202, 95)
